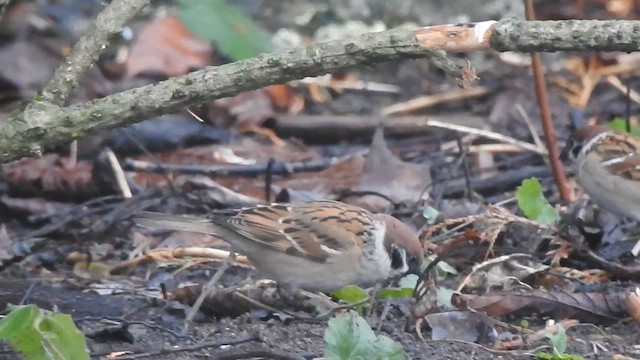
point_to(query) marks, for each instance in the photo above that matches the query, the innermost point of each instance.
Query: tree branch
(43, 125)
(109, 22)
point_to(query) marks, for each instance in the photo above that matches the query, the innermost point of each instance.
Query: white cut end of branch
(481, 29)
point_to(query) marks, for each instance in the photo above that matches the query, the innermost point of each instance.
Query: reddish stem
(545, 113)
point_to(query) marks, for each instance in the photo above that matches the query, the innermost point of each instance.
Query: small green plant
(431, 215)
(621, 125)
(235, 34)
(352, 295)
(534, 205)
(349, 337)
(40, 334)
(444, 269)
(559, 343)
(405, 288)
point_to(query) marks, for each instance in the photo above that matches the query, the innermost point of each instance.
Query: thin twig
(530, 125)
(427, 101)
(170, 254)
(87, 50)
(194, 347)
(279, 168)
(547, 122)
(487, 134)
(630, 94)
(327, 81)
(271, 308)
(628, 108)
(118, 173)
(465, 166)
(208, 290)
(255, 351)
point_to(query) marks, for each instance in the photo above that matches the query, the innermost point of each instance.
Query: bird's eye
(397, 258)
(413, 261)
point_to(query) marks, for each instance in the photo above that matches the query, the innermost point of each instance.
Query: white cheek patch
(379, 252)
(403, 258)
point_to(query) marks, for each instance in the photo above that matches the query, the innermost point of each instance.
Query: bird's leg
(290, 297)
(372, 298)
(208, 289)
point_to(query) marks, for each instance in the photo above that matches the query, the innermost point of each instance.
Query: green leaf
(234, 33)
(621, 125)
(549, 356)
(351, 294)
(443, 298)
(349, 337)
(388, 349)
(394, 293)
(407, 284)
(558, 340)
(43, 335)
(430, 214)
(544, 355)
(534, 205)
(444, 268)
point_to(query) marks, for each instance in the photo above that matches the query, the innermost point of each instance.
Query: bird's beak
(414, 268)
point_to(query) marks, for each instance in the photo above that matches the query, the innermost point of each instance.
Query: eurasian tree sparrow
(315, 246)
(609, 169)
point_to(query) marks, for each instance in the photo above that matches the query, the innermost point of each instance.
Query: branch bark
(43, 125)
(109, 22)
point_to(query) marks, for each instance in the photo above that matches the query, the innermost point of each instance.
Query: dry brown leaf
(620, 8)
(250, 107)
(26, 66)
(563, 251)
(385, 174)
(632, 304)
(588, 307)
(36, 206)
(285, 98)
(165, 46)
(51, 175)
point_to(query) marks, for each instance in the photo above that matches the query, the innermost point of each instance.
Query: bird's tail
(154, 220)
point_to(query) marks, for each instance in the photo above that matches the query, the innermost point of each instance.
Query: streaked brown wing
(314, 230)
(339, 226)
(619, 146)
(628, 168)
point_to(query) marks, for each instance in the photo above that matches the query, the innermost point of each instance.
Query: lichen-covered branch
(45, 125)
(566, 35)
(109, 22)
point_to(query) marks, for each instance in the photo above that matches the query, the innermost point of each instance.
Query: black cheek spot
(576, 150)
(397, 262)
